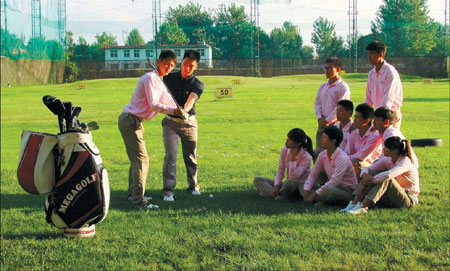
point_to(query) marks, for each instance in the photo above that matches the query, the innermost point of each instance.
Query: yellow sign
(82, 85)
(236, 82)
(224, 93)
(428, 80)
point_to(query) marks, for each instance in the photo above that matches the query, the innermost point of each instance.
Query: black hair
(384, 113)
(335, 61)
(334, 133)
(377, 46)
(192, 54)
(402, 146)
(167, 55)
(300, 137)
(347, 104)
(366, 111)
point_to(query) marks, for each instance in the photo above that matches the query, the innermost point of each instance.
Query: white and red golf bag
(69, 169)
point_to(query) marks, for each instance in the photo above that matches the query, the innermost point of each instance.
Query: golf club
(68, 115)
(185, 116)
(75, 112)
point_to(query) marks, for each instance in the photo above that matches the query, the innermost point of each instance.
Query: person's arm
(318, 167)
(401, 167)
(373, 142)
(280, 172)
(389, 90)
(318, 104)
(193, 97)
(154, 92)
(369, 87)
(338, 174)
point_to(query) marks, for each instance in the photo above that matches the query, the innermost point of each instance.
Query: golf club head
(54, 104)
(93, 125)
(75, 112)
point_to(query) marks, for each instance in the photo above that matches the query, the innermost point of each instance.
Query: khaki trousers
(333, 195)
(397, 119)
(266, 185)
(318, 139)
(173, 132)
(389, 193)
(132, 132)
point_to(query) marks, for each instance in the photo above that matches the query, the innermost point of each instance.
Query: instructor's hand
(179, 111)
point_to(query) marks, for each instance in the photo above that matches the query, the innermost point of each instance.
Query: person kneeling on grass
(392, 181)
(295, 160)
(338, 168)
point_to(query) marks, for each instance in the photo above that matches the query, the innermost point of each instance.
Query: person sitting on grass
(344, 114)
(382, 119)
(392, 181)
(364, 143)
(295, 160)
(338, 168)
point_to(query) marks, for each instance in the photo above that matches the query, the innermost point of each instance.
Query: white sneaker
(349, 207)
(195, 193)
(358, 209)
(148, 198)
(168, 198)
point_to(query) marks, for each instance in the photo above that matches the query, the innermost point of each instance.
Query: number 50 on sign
(224, 93)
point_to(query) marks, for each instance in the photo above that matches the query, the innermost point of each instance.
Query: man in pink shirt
(149, 98)
(384, 87)
(382, 123)
(364, 143)
(328, 96)
(338, 168)
(344, 114)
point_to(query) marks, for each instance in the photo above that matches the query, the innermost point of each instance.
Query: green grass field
(238, 139)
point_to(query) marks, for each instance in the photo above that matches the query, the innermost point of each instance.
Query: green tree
(405, 27)
(286, 41)
(195, 22)
(135, 38)
(326, 41)
(307, 51)
(171, 33)
(96, 51)
(442, 42)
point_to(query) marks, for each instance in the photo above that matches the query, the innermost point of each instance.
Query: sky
(118, 17)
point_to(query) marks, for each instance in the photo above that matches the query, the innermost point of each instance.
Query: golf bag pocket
(81, 194)
(36, 169)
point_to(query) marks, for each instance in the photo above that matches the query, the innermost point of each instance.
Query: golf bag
(68, 167)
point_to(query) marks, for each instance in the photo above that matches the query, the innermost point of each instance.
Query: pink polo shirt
(403, 171)
(298, 169)
(392, 131)
(327, 98)
(345, 131)
(366, 148)
(150, 97)
(339, 170)
(384, 88)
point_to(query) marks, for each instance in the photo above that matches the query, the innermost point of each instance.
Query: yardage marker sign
(224, 93)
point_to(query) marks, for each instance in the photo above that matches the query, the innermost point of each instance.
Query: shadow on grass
(34, 236)
(426, 100)
(229, 201)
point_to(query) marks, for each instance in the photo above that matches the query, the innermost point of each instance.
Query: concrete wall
(31, 71)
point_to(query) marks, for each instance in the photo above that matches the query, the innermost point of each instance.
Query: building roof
(199, 45)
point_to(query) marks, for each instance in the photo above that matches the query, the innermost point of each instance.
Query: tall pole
(254, 54)
(156, 23)
(353, 32)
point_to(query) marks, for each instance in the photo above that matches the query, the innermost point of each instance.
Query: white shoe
(195, 193)
(148, 198)
(358, 209)
(349, 207)
(168, 198)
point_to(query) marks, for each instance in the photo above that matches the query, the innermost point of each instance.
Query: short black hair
(334, 133)
(192, 54)
(377, 46)
(347, 104)
(335, 61)
(365, 110)
(167, 55)
(384, 113)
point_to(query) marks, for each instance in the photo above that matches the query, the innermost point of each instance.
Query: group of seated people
(360, 163)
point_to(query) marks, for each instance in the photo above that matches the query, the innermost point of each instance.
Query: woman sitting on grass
(295, 160)
(392, 180)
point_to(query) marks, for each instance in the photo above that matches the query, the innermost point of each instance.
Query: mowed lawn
(239, 138)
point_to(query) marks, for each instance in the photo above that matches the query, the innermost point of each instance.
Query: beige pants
(318, 138)
(132, 132)
(333, 195)
(266, 185)
(389, 193)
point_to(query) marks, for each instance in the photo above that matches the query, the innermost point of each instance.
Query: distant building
(123, 57)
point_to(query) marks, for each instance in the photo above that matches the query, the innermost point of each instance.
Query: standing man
(186, 89)
(384, 87)
(149, 98)
(327, 98)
